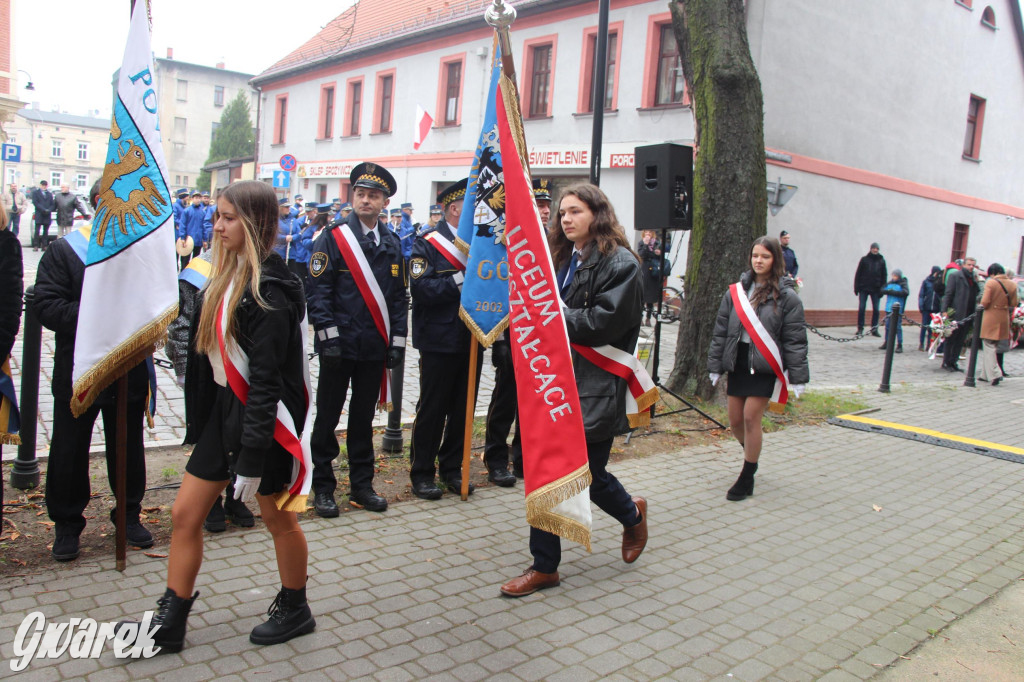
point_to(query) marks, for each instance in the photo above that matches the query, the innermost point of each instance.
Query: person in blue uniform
(296, 209)
(179, 206)
(443, 342)
(192, 219)
(436, 214)
(208, 210)
(502, 409)
(352, 350)
(343, 211)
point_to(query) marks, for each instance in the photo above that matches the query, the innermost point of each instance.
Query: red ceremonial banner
(557, 473)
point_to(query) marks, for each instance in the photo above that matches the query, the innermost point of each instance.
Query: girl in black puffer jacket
(246, 385)
(751, 377)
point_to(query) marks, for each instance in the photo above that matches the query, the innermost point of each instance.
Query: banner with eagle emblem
(129, 290)
(481, 232)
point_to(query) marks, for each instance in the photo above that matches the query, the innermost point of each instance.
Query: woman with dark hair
(999, 299)
(761, 342)
(599, 280)
(651, 260)
(247, 406)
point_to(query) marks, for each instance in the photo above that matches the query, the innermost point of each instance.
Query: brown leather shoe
(529, 582)
(634, 538)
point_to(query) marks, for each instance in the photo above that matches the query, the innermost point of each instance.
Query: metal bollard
(890, 347)
(25, 472)
(392, 441)
(972, 362)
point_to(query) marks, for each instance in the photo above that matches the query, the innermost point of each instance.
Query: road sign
(12, 153)
(282, 178)
(288, 162)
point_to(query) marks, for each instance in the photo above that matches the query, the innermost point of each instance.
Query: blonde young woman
(250, 314)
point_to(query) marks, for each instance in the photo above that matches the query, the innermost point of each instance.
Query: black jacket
(271, 338)
(66, 205)
(58, 291)
(11, 276)
(961, 294)
(784, 321)
(603, 307)
(436, 298)
(928, 298)
(42, 200)
(871, 274)
(337, 311)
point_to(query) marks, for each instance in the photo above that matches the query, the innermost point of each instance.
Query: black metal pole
(600, 83)
(392, 441)
(890, 346)
(972, 362)
(25, 472)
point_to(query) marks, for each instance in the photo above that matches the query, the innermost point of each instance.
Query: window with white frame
(56, 179)
(182, 90)
(81, 183)
(57, 148)
(83, 151)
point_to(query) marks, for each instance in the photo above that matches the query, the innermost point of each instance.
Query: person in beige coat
(999, 299)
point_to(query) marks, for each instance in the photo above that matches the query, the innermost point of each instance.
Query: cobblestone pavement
(856, 548)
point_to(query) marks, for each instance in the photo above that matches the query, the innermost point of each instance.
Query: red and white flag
(557, 472)
(423, 123)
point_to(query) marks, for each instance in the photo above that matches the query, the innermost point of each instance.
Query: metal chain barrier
(906, 320)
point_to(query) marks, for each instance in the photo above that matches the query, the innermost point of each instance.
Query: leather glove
(714, 378)
(245, 488)
(798, 389)
(395, 357)
(501, 354)
(330, 356)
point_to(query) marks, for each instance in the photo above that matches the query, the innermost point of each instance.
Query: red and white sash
(448, 249)
(765, 345)
(354, 257)
(642, 391)
(236, 367)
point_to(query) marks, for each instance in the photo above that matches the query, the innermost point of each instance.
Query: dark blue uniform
(443, 342)
(341, 320)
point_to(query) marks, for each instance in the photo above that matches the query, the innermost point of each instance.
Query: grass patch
(812, 408)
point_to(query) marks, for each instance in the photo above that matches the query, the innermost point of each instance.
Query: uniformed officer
(442, 339)
(396, 220)
(351, 346)
(436, 213)
(296, 209)
(343, 211)
(502, 409)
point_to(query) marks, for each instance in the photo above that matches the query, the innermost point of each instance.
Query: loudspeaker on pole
(663, 187)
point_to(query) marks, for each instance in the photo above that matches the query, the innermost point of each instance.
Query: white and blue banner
(129, 291)
(482, 229)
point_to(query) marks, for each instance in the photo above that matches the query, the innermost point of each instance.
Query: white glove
(245, 488)
(798, 389)
(458, 278)
(714, 378)
(180, 381)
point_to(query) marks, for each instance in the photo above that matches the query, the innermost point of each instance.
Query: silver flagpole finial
(499, 15)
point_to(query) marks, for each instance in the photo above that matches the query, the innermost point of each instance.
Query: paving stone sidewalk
(854, 549)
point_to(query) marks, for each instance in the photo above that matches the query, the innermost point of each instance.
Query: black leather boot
(169, 620)
(215, 519)
(744, 486)
(289, 617)
(236, 511)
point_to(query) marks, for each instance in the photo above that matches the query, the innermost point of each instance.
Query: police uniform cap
(182, 192)
(452, 192)
(322, 209)
(346, 207)
(311, 205)
(283, 201)
(197, 193)
(298, 197)
(406, 205)
(541, 190)
(373, 176)
(436, 208)
(206, 194)
(335, 201)
(396, 211)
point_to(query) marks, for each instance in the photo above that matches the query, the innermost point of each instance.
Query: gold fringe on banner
(119, 360)
(9, 438)
(541, 501)
(642, 417)
(486, 340)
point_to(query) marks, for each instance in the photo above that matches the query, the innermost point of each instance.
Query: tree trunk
(729, 196)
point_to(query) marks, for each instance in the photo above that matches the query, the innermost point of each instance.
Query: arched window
(988, 17)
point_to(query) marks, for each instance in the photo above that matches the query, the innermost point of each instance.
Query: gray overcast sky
(72, 47)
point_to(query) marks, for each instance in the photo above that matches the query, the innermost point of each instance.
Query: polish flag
(423, 123)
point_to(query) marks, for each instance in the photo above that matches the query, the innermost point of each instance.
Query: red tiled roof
(373, 21)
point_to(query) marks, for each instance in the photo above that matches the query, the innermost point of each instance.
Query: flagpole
(500, 16)
(467, 442)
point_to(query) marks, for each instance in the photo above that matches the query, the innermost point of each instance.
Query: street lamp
(29, 86)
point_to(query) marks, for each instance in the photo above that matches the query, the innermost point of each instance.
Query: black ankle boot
(744, 486)
(289, 617)
(237, 512)
(169, 621)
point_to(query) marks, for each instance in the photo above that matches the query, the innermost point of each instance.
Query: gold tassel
(648, 399)
(541, 501)
(638, 419)
(287, 502)
(486, 340)
(10, 438)
(777, 408)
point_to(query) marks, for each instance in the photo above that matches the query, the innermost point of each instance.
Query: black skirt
(214, 456)
(742, 383)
